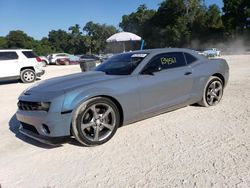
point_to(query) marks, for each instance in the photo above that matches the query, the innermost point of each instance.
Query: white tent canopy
(123, 37)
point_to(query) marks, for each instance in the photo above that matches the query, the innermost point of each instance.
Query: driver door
(166, 81)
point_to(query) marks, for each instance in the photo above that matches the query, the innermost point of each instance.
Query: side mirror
(147, 72)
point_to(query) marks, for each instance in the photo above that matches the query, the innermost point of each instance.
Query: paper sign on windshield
(139, 55)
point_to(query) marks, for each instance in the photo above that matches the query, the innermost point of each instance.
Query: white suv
(20, 64)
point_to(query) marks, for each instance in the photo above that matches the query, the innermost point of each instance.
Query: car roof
(162, 50)
(14, 50)
(166, 50)
(60, 54)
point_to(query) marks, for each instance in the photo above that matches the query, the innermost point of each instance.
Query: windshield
(122, 64)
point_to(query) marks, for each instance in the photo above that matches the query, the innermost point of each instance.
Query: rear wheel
(28, 76)
(96, 121)
(213, 92)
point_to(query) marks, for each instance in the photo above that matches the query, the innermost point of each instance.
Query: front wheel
(66, 62)
(96, 121)
(28, 76)
(212, 93)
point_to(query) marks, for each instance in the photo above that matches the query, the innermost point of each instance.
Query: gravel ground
(189, 147)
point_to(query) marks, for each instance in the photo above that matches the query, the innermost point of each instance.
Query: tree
(236, 14)
(75, 39)
(3, 42)
(42, 47)
(59, 40)
(98, 35)
(19, 39)
(170, 24)
(236, 19)
(136, 22)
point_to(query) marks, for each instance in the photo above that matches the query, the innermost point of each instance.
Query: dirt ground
(189, 147)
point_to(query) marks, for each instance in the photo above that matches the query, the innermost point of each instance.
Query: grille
(28, 106)
(29, 128)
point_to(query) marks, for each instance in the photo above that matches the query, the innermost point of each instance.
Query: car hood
(70, 82)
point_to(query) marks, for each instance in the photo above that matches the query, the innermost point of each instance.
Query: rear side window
(189, 58)
(8, 55)
(167, 61)
(29, 54)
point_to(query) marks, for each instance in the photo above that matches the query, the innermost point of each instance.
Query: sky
(38, 17)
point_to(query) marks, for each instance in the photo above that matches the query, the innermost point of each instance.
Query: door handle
(187, 73)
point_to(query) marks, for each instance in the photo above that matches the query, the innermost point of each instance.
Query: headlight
(45, 106)
(33, 106)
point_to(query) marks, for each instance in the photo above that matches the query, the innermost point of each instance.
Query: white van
(20, 64)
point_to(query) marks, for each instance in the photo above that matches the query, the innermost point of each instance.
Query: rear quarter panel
(204, 69)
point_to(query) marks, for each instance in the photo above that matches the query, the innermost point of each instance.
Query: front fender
(75, 98)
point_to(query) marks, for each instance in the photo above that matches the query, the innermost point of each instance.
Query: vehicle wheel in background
(66, 62)
(212, 93)
(28, 76)
(96, 121)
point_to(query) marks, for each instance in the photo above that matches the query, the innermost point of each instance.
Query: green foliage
(3, 42)
(74, 41)
(137, 22)
(97, 35)
(237, 15)
(19, 39)
(43, 47)
(176, 23)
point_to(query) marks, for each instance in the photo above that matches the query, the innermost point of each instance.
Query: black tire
(212, 93)
(66, 63)
(56, 63)
(28, 75)
(95, 121)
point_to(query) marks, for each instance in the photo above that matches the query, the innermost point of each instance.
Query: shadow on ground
(5, 82)
(14, 127)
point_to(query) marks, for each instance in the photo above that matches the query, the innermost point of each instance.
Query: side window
(166, 61)
(189, 58)
(8, 55)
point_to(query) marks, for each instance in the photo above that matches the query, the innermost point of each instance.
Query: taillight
(38, 59)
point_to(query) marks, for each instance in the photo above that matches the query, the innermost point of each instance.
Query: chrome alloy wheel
(98, 122)
(29, 76)
(214, 93)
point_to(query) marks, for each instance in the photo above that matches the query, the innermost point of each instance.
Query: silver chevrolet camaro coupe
(124, 89)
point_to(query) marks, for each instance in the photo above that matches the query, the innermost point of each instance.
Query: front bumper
(54, 141)
(57, 123)
(40, 73)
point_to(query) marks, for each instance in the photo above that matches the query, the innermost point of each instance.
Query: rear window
(29, 54)
(8, 55)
